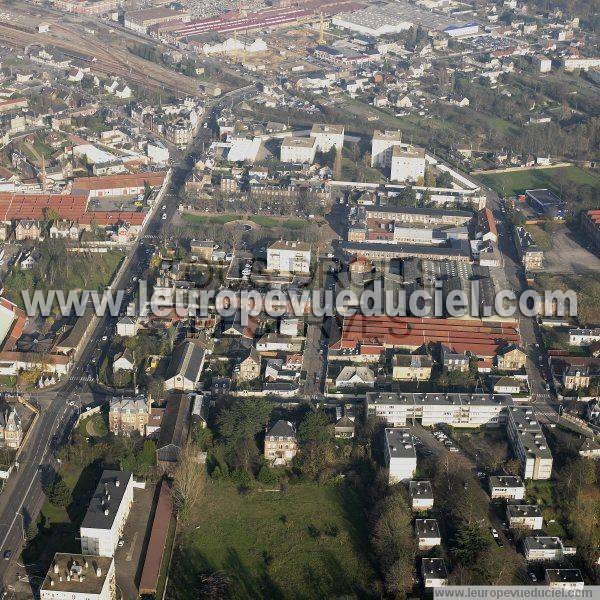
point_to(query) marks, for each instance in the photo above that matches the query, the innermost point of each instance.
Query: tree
(189, 481)
(59, 493)
(471, 541)
(315, 428)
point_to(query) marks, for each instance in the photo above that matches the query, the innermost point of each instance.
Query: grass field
(308, 542)
(516, 182)
(260, 220)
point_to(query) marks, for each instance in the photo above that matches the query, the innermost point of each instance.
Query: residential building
(127, 414)
(458, 410)
(411, 367)
(104, 521)
(508, 385)
(532, 257)
(590, 223)
(511, 358)
(434, 572)
(80, 577)
(285, 258)
(400, 454)
(529, 443)
(408, 164)
(542, 63)
(185, 367)
(427, 532)
(584, 337)
(576, 377)
(382, 146)
(248, 367)
(11, 430)
(344, 427)
(124, 361)
(507, 487)
(26, 229)
(355, 376)
(297, 150)
(173, 433)
(524, 516)
(564, 579)
(454, 361)
(542, 548)
(281, 444)
(327, 136)
(127, 326)
(421, 495)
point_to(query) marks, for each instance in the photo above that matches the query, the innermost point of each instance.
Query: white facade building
(408, 163)
(427, 532)
(524, 516)
(297, 150)
(400, 454)
(508, 487)
(541, 548)
(107, 513)
(327, 136)
(542, 63)
(80, 577)
(421, 495)
(434, 572)
(382, 146)
(284, 257)
(564, 579)
(583, 337)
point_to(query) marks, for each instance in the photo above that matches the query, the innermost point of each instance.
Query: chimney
(68, 577)
(117, 483)
(55, 568)
(98, 572)
(51, 583)
(86, 564)
(106, 512)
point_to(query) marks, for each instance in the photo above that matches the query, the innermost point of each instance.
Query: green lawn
(216, 219)
(274, 545)
(516, 182)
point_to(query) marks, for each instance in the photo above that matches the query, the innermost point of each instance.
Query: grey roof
(564, 576)
(187, 360)
(406, 249)
(282, 429)
(421, 489)
(427, 528)
(523, 510)
(129, 405)
(434, 568)
(399, 442)
(506, 481)
(543, 543)
(107, 498)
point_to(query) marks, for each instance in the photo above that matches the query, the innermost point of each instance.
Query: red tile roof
(378, 332)
(118, 181)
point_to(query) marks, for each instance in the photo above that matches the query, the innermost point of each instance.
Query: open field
(261, 220)
(308, 542)
(516, 182)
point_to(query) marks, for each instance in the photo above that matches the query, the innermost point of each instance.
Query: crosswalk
(82, 379)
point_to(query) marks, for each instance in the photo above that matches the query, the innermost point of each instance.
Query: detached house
(409, 367)
(511, 358)
(280, 443)
(351, 377)
(248, 368)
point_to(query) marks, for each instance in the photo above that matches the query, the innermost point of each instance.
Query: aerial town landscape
(298, 299)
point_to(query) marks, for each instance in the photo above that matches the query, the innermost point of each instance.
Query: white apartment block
(427, 532)
(107, 513)
(434, 572)
(421, 495)
(284, 257)
(529, 443)
(540, 548)
(408, 164)
(400, 454)
(458, 410)
(327, 137)
(507, 487)
(524, 516)
(382, 146)
(542, 63)
(80, 577)
(583, 337)
(298, 151)
(581, 62)
(564, 579)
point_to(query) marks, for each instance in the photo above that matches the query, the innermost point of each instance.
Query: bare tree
(189, 481)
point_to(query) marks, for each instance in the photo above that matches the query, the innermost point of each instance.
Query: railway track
(111, 62)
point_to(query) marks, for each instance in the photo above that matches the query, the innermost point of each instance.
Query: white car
(121, 543)
(164, 216)
(164, 207)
